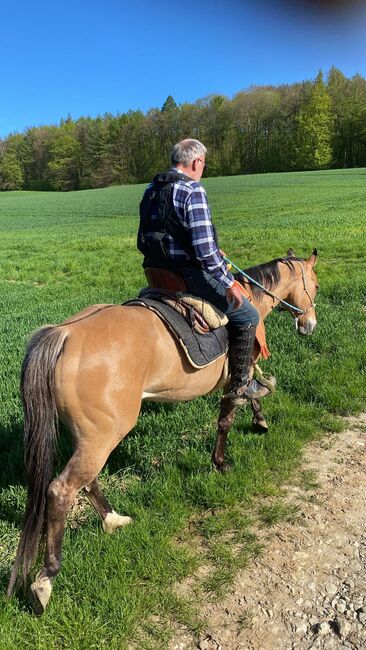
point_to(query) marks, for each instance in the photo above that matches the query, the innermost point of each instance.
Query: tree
(348, 98)
(307, 125)
(11, 173)
(11, 170)
(169, 105)
(64, 164)
(94, 162)
(35, 155)
(314, 129)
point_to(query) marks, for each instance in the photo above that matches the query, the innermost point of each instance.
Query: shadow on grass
(12, 470)
(11, 454)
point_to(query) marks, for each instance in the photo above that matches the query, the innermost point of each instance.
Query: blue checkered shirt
(192, 210)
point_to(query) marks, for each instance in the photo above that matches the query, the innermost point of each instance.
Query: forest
(308, 125)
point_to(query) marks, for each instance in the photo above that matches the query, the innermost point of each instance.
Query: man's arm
(202, 237)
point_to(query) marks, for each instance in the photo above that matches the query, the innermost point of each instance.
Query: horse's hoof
(260, 426)
(40, 594)
(223, 468)
(114, 521)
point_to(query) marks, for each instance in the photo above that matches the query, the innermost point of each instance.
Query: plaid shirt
(191, 207)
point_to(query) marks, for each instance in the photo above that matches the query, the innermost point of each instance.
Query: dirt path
(308, 589)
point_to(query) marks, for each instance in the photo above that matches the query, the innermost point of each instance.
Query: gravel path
(308, 589)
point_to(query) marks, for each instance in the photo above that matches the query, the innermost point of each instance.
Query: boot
(241, 343)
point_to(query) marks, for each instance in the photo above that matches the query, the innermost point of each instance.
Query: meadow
(62, 251)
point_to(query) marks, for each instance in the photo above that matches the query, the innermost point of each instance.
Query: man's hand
(233, 294)
(223, 255)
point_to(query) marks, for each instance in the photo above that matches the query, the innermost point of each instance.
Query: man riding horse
(176, 234)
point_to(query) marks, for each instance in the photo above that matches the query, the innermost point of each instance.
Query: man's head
(189, 156)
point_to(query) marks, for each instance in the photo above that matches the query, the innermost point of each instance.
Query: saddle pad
(200, 349)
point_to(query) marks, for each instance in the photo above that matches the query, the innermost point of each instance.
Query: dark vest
(158, 201)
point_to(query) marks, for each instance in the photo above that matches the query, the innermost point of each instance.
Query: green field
(61, 252)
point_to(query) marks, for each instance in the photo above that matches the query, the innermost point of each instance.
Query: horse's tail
(40, 437)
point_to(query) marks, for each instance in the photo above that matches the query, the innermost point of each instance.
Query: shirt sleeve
(203, 239)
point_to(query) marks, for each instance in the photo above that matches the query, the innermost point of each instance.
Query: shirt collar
(178, 171)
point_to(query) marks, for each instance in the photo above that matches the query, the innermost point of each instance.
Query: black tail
(40, 437)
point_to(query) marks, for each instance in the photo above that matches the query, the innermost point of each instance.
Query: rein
(293, 308)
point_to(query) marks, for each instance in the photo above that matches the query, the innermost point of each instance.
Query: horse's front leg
(259, 423)
(226, 417)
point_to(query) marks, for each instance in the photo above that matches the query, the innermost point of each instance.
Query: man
(176, 233)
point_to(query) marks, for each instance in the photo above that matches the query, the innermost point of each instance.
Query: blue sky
(84, 57)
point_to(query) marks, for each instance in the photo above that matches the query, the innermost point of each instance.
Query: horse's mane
(267, 274)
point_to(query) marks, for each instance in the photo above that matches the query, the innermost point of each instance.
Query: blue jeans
(202, 284)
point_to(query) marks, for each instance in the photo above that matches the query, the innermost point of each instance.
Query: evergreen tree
(349, 111)
(314, 129)
(64, 164)
(35, 156)
(169, 104)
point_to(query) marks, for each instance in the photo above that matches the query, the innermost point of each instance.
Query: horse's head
(303, 291)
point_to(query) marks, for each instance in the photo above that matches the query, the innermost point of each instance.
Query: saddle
(200, 333)
(203, 316)
(170, 289)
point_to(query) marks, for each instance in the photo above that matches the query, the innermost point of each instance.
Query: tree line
(317, 124)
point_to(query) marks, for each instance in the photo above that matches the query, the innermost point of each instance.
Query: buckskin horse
(92, 372)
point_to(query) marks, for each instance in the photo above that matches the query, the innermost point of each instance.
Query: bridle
(305, 293)
(296, 312)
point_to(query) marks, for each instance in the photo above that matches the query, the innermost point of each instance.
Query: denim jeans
(202, 284)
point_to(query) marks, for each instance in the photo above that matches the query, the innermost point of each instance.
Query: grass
(275, 513)
(309, 480)
(61, 252)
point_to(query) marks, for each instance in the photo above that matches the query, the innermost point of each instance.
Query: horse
(92, 372)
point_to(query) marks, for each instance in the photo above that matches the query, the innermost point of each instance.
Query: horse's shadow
(130, 459)
(12, 476)
(11, 471)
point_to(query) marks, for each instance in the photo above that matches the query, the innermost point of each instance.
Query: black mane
(267, 274)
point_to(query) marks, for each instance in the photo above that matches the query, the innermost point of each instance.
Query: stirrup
(265, 378)
(254, 390)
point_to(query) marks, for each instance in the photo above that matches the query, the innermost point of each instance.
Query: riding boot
(241, 343)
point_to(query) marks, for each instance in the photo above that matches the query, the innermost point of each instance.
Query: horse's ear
(290, 253)
(313, 257)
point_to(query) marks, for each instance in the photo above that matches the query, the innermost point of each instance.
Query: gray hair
(186, 151)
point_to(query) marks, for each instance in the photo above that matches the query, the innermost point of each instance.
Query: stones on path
(208, 643)
(308, 589)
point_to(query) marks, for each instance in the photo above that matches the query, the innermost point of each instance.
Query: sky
(89, 57)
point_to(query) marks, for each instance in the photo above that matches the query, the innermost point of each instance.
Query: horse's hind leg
(259, 424)
(81, 470)
(110, 519)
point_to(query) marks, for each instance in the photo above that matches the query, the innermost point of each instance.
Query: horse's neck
(266, 304)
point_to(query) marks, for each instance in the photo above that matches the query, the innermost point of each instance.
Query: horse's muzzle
(306, 328)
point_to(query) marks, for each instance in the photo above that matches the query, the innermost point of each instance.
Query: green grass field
(61, 252)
